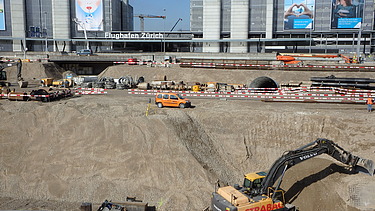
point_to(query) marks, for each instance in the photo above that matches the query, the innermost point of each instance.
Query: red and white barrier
(90, 93)
(92, 89)
(349, 97)
(212, 65)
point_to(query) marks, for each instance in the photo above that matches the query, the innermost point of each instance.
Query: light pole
(45, 28)
(84, 30)
(311, 26)
(165, 15)
(359, 42)
(310, 37)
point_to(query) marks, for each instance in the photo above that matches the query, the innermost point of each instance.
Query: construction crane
(180, 19)
(142, 19)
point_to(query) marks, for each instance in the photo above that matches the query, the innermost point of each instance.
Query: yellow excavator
(259, 191)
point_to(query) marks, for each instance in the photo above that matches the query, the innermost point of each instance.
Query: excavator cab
(3, 75)
(253, 182)
(3, 78)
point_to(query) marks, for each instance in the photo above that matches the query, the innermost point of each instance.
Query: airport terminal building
(283, 26)
(56, 25)
(228, 26)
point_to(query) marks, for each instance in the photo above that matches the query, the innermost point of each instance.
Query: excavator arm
(313, 149)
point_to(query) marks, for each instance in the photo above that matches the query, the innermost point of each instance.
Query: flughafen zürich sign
(129, 35)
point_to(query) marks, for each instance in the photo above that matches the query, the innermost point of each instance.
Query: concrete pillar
(239, 25)
(18, 13)
(211, 25)
(269, 18)
(61, 23)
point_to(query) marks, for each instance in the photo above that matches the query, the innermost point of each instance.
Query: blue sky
(174, 9)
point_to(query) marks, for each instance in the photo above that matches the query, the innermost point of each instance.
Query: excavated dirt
(56, 155)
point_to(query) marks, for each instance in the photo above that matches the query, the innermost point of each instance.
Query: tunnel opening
(263, 82)
(85, 68)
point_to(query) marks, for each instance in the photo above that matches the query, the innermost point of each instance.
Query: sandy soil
(54, 156)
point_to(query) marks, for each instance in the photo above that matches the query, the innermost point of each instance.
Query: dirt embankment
(91, 148)
(33, 72)
(240, 76)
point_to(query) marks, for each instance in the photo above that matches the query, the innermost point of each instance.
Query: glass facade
(318, 25)
(196, 15)
(257, 20)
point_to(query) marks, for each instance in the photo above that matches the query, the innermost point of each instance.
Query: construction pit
(57, 155)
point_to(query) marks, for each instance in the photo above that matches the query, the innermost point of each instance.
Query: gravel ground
(56, 155)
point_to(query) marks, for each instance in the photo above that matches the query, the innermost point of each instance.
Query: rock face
(91, 148)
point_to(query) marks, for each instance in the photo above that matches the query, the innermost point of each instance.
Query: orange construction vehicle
(287, 59)
(290, 58)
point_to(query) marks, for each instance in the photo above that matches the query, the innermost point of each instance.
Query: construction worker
(355, 59)
(369, 103)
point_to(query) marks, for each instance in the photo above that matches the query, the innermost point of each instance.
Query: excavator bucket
(367, 164)
(23, 84)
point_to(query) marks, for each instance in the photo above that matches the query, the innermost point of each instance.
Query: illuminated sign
(143, 35)
(346, 14)
(299, 14)
(2, 15)
(89, 14)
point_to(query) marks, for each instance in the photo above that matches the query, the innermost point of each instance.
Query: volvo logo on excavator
(308, 156)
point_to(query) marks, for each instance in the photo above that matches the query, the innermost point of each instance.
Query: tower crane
(142, 19)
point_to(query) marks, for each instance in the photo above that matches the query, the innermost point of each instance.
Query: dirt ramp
(33, 72)
(193, 136)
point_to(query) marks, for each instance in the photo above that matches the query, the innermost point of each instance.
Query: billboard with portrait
(299, 14)
(2, 15)
(90, 14)
(347, 14)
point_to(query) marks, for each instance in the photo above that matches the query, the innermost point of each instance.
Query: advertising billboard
(89, 14)
(2, 15)
(347, 14)
(299, 14)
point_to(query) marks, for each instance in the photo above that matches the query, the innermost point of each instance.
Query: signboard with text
(2, 15)
(299, 14)
(130, 36)
(346, 14)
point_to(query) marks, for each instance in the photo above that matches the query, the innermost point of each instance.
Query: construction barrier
(89, 93)
(19, 95)
(309, 67)
(55, 95)
(341, 95)
(92, 89)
